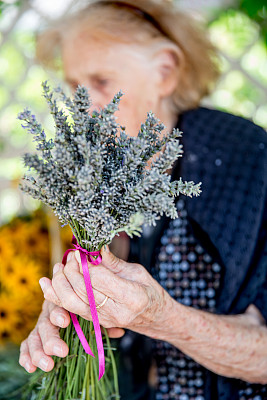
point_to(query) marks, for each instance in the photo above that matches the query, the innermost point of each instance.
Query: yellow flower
(17, 320)
(24, 278)
(9, 316)
(31, 240)
(24, 259)
(6, 247)
(27, 237)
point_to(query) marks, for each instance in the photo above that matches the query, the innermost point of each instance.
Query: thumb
(125, 270)
(111, 262)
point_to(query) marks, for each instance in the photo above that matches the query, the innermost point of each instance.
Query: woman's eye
(102, 82)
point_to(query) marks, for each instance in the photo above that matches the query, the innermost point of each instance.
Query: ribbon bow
(91, 254)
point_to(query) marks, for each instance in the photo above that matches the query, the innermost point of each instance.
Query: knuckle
(36, 356)
(68, 301)
(65, 303)
(22, 360)
(143, 275)
(48, 293)
(123, 319)
(56, 279)
(54, 320)
(68, 267)
(23, 346)
(43, 325)
(53, 315)
(51, 296)
(32, 336)
(126, 320)
(57, 312)
(48, 346)
(115, 262)
(143, 301)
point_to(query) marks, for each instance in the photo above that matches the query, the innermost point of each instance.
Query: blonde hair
(139, 21)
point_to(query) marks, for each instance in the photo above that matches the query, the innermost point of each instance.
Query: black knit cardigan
(228, 154)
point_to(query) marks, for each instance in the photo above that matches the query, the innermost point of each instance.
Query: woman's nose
(97, 102)
(96, 106)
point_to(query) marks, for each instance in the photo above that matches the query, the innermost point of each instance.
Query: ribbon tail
(98, 335)
(64, 259)
(80, 334)
(75, 321)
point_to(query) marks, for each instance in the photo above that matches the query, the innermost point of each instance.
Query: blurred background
(30, 238)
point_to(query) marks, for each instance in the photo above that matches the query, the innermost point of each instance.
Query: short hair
(138, 21)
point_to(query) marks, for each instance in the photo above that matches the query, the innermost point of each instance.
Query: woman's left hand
(135, 300)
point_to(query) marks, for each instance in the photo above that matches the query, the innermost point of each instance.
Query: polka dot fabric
(190, 275)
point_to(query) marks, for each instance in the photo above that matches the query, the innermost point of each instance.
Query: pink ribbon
(84, 253)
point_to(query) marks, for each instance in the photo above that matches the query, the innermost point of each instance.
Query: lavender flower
(94, 176)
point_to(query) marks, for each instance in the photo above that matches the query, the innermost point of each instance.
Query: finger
(48, 291)
(67, 296)
(111, 262)
(76, 279)
(103, 280)
(25, 359)
(129, 271)
(115, 333)
(59, 316)
(51, 342)
(37, 354)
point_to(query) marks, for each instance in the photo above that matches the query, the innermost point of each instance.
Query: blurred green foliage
(242, 87)
(20, 87)
(4, 4)
(10, 388)
(257, 11)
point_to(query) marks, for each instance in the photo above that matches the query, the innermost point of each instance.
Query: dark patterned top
(192, 277)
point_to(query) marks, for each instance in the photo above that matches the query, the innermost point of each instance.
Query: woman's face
(107, 67)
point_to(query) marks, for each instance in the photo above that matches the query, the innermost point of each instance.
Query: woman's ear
(168, 60)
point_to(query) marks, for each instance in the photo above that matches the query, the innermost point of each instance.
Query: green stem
(114, 369)
(76, 376)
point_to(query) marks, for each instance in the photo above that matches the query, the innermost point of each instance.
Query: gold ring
(103, 302)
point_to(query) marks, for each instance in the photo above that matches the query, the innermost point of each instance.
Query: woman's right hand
(44, 341)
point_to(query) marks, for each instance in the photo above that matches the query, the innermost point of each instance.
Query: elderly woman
(190, 292)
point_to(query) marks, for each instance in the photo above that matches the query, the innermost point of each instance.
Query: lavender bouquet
(97, 180)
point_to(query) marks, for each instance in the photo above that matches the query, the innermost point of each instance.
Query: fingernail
(56, 268)
(60, 321)
(106, 248)
(70, 255)
(42, 284)
(57, 349)
(43, 364)
(27, 366)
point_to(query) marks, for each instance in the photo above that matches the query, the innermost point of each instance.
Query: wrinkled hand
(135, 300)
(44, 341)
